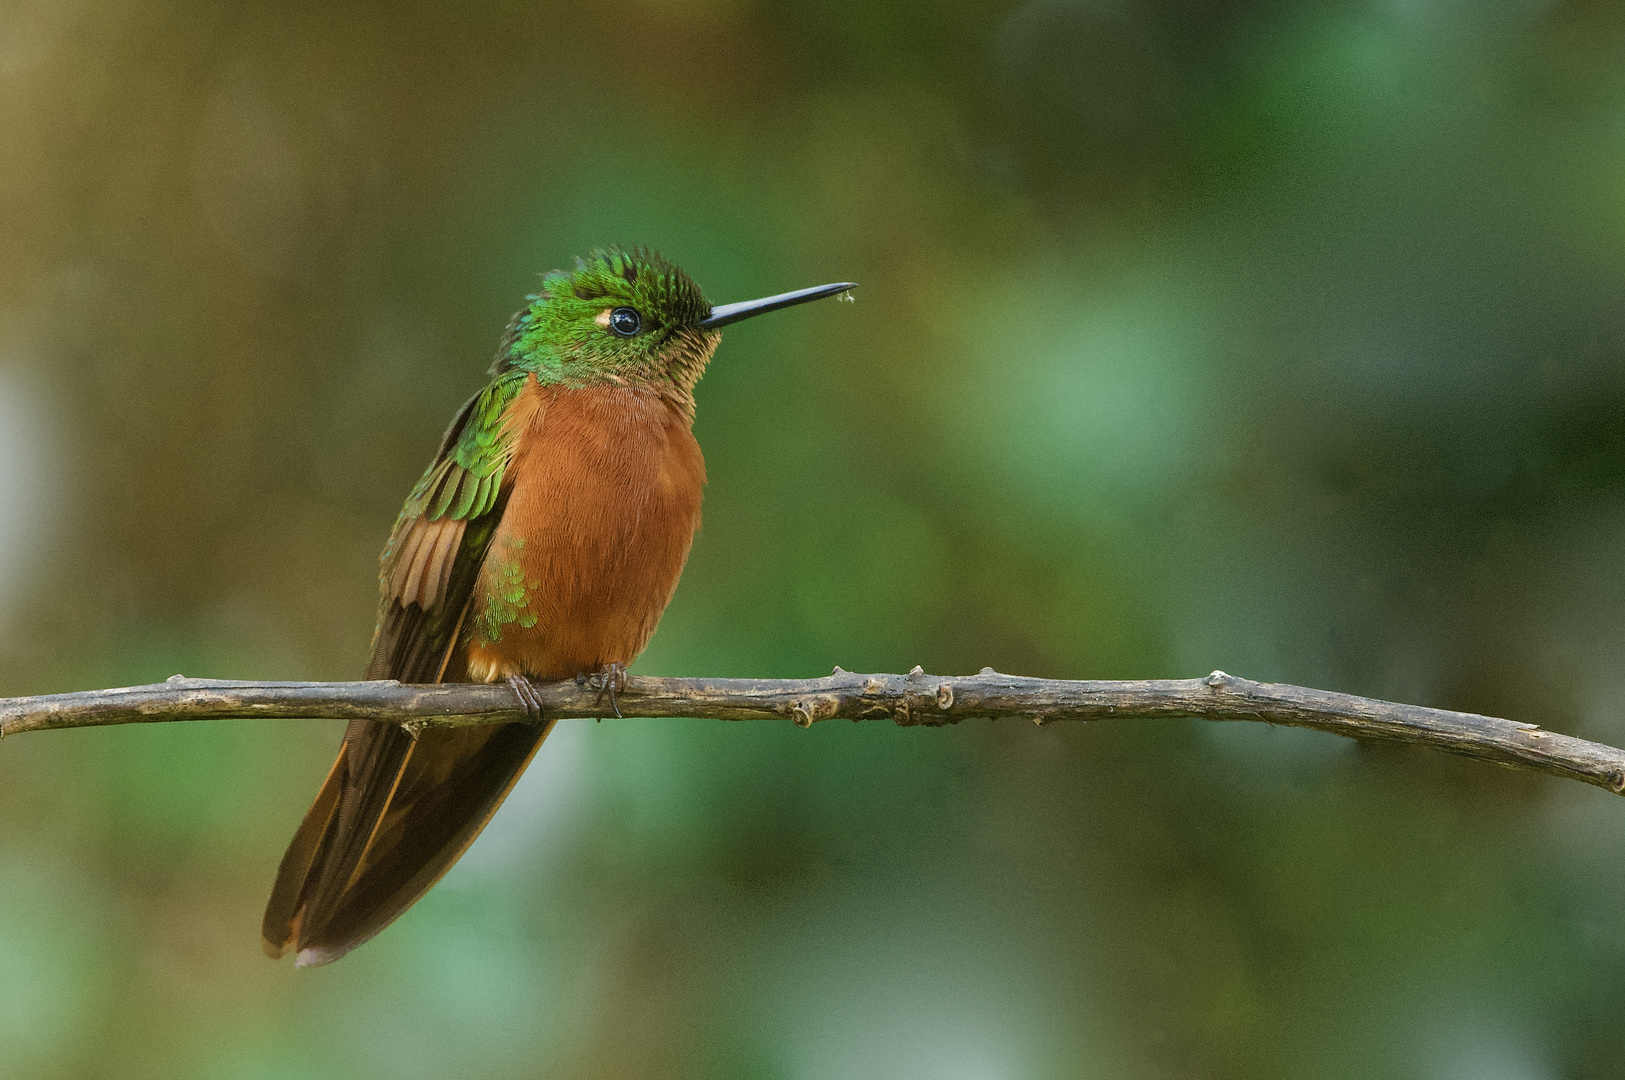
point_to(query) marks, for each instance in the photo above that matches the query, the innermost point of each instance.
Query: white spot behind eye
(602, 318)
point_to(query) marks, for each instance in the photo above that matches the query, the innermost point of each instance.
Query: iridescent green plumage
(559, 337)
(465, 480)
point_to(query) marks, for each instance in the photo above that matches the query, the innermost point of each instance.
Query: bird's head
(627, 315)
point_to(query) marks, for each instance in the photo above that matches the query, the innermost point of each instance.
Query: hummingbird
(542, 543)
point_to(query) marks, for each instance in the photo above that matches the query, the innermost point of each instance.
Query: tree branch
(912, 699)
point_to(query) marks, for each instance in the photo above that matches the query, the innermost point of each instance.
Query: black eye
(625, 321)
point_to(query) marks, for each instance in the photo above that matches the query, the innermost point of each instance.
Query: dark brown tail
(395, 813)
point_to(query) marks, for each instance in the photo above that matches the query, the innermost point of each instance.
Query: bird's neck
(671, 373)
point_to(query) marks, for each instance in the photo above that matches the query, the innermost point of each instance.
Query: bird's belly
(603, 508)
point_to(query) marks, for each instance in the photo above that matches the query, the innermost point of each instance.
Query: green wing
(438, 528)
(429, 566)
(397, 810)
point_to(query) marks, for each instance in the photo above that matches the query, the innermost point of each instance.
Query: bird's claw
(529, 698)
(609, 679)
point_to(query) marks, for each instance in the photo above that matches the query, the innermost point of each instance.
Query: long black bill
(732, 313)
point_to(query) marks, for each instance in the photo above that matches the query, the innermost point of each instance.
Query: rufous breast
(602, 509)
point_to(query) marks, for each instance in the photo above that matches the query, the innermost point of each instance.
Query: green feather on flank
(507, 600)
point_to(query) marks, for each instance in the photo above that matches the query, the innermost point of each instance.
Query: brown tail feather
(409, 820)
(278, 930)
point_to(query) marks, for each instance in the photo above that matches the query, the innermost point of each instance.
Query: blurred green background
(1273, 336)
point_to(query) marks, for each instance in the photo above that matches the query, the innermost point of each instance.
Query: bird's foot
(609, 679)
(530, 699)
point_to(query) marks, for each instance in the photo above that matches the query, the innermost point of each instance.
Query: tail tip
(314, 957)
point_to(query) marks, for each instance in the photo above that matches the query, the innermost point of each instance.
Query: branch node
(1616, 780)
(987, 671)
(1038, 720)
(839, 670)
(916, 670)
(873, 685)
(176, 678)
(1217, 680)
(808, 711)
(945, 697)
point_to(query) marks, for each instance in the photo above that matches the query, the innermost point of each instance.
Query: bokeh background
(1274, 336)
